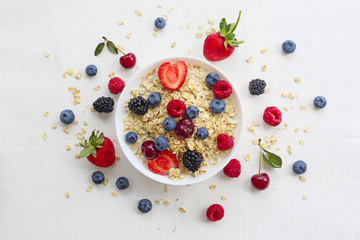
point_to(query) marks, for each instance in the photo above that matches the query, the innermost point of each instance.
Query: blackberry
(104, 104)
(138, 105)
(257, 86)
(192, 160)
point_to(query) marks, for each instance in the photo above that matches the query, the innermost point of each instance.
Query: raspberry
(215, 212)
(224, 142)
(116, 85)
(222, 89)
(176, 108)
(272, 116)
(232, 169)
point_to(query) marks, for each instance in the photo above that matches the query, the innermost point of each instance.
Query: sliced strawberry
(163, 163)
(172, 76)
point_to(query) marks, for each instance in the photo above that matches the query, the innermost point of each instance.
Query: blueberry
(299, 167)
(144, 205)
(67, 116)
(217, 106)
(160, 23)
(169, 124)
(154, 99)
(192, 112)
(131, 137)
(98, 177)
(211, 79)
(288, 46)
(122, 183)
(320, 102)
(161, 143)
(91, 70)
(202, 133)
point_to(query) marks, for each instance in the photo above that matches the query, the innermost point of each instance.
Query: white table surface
(35, 174)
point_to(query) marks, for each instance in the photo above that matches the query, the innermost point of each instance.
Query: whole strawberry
(219, 46)
(99, 150)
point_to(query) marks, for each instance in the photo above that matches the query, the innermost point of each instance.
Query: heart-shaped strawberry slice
(172, 76)
(163, 163)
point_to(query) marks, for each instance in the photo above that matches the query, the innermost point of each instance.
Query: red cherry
(148, 150)
(260, 181)
(128, 61)
(184, 128)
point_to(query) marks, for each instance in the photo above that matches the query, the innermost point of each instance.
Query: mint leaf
(272, 159)
(99, 48)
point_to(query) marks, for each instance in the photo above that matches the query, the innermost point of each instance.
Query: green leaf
(229, 36)
(227, 28)
(222, 25)
(231, 29)
(272, 158)
(87, 151)
(111, 47)
(99, 48)
(93, 152)
(101, 140)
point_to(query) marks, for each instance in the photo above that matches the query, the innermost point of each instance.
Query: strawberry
(219, 46)
(163, 163)
(172, 76)
(99, 150)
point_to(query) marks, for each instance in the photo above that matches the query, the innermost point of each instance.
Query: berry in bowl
(186, 118)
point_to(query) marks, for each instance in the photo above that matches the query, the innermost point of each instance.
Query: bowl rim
(165, 179)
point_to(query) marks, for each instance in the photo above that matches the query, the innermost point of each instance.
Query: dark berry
(154, 99)
(131, 137)
(257, 86)
(211, 79)
(217, 106)
(148, 150)
(184, 128)
(299, 167)
(288, 46)
(138, 105)
(160, 23)
(192, 160)
(144, 205)
(91, 70)
(169, 124)
(202, 133)
(104, 104)
(161, 143)
(122, 183)
(67, 116)
(320, 102)
(192, 112)
(98, 177)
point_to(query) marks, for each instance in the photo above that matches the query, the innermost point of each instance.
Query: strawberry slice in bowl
(163, 163)
(172, 76)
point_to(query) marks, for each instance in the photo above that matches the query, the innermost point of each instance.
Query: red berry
(116, 85)
(184, 128)
(232, 169)
(172, 76)
(224, 142)
(148, 150)
(215, 212)
(128, 61)
(176, 108)
(214, 49)
(105, 156)
(163, 163)
(272, 116)
(222, 89)
(260, 181)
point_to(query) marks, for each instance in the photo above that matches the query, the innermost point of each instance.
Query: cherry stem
(260, 156)
(105, 38)
(114, 46)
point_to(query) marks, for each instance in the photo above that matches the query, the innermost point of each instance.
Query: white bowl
(136, 161)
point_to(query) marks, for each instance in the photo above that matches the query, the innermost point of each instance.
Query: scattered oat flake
(54, 125)
(254, 141)
(174, 229)
(291, 96)
(120, 47)
(106, 181)
(181, 26)
(301, 142)
(247, 157)
(166, 17)
(78, 75)
(93, 109)
(289, 148)
(70, 71)
(128, 35)
(223, 198)
(121, 22)
(297, 79)
(67, 147)
(182, 210)
(77, 156)
(284, 95)
(177, 199)
(267, 90)
(64, 75)
(212, 186)
(166, 203)
(249, 59)
(114, 194)
(211, 21)
(200, 27)
(173, 44)
(117, 155)
(155, 32)
(157, 201)
(71, 89)
(67, 194)
(89, 189)
(296, 130)
(302, 107)
(159, 5)
(44, 136)
(263, 68)
(304, 196)
(188, 26)
(85, 123)
(47, 54)
(306, 129)
(263, 51)
(302, 178)
(138, 12)
(171, 9)
(187, 53)
(46, 114)
(79, 135)
(97, 87)
(199, 35)
(111, 74)
(66, 129)
(286, 108)
(166, 188)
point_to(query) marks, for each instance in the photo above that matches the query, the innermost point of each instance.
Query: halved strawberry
(163, 163)
(172, 76)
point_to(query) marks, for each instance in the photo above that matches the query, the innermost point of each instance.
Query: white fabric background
(36, 174)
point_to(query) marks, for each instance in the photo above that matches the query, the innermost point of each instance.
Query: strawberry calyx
(227, 32)
(94, 142)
